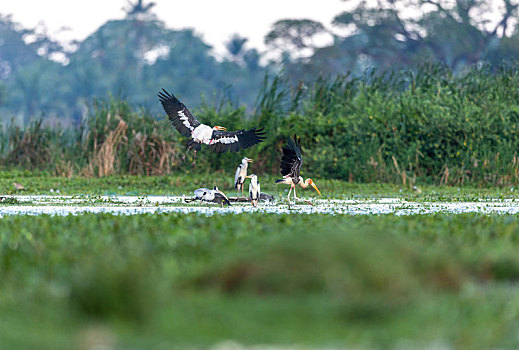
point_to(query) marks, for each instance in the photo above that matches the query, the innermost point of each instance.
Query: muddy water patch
(134, 205)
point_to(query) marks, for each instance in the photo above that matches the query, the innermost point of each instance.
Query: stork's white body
(287, 180)
(254, 190)
(202, 134)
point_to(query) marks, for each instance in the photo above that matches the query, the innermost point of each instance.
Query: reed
(405, 127)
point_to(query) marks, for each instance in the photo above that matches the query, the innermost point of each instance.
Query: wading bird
(241, 173)
(217, 138)
(213, 196)
(291, 165)
(254, 190)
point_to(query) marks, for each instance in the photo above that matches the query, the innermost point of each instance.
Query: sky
(214, 20)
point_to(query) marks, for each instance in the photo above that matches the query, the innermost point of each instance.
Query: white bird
(254, 190)
(213, 196)
(241, 174)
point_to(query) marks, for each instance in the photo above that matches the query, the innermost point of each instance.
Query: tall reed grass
(408, 127)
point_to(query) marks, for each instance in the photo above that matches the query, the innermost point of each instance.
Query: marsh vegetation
(312, 280)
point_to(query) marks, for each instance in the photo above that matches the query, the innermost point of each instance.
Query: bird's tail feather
(280, 180)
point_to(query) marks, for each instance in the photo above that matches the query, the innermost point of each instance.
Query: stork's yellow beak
(248, 177)
(221, 128)
(315, 187)
(249, 160)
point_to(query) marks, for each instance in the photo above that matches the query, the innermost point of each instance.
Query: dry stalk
(445, 176)
(64, 169)
(150, 155)
(402, 174)
(103, 160)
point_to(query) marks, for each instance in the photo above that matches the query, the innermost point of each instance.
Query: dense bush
(426, 126)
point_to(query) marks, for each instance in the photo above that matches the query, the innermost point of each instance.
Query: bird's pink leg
(184, 156)
(194, 160)
(301, 199)
(291, 187)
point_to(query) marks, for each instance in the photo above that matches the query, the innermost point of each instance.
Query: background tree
(294, 36)
(14, 52)
(133, 57)
(236, 46)
(136, 56)
(139, 9)
(455, 33)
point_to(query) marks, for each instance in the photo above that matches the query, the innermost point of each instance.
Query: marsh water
(132, 205)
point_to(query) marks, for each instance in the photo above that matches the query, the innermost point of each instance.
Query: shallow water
(131, 205)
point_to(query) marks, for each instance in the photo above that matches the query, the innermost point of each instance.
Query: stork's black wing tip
(164, 95)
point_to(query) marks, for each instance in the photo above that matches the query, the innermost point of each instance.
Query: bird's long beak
(248, 177)
(249, 160)
(221, 128)
(315, 187)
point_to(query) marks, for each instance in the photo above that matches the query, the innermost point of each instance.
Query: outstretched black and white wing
(233, 141)
(178, 114)
(292, 160)
(219, 141)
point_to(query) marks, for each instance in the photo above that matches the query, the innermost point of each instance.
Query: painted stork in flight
(291, 165)
(254, 190)
(241, 174)
(217, 138)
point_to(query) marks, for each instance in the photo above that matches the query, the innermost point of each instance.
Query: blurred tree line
(134, 57)
(401, 34)
(130, 58)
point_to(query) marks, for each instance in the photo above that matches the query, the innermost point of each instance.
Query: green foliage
(312, 280)
(398, 127)
(406, 127)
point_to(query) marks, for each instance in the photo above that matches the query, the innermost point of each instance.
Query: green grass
(176, 281)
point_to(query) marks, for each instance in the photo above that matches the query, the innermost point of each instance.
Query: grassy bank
(42, 183)
(316, 281)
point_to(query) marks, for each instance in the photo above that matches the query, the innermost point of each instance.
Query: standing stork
(254, 190)
(291, 165)
(217, 138)
(241, 174)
